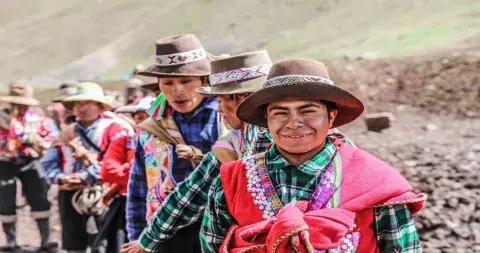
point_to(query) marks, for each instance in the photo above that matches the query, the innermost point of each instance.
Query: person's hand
(31, 152)
(132, 247)
(71, 182)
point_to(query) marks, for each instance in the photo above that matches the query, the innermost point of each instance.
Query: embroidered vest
(355, 181)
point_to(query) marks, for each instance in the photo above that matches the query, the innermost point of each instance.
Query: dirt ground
(434, 140)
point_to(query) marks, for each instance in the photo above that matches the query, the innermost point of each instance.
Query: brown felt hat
(146, 82)
(299, 78)
(181, 55)
(243, 73)
(20, 93)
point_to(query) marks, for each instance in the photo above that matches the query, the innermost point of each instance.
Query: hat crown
(20, 90)
(91, 89)
(177, 44)
(134, 83)
(68, 88)
(247, 60)
(303, 67)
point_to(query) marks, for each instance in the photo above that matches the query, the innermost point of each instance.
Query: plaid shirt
(186, 204)
(394, 227)
(204, 122)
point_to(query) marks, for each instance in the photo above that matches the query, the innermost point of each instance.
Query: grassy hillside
(56, 39)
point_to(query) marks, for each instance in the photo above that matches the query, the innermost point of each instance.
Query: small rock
(476, 147)
(368, 56)
(390, 80)
(410, 163)
(379, 121)
(430, 127)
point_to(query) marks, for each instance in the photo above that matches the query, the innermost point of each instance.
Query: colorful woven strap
(239, 74)
(282, 80)
(180, 58)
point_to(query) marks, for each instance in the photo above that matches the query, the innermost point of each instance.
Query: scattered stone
(410, 163)
(377, 122)
(368, 56)
(430, 127)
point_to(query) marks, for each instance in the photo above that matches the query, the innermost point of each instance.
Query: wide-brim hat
(66, 89)
(238, 74)
(180, 55)
(299, 78)
(20, 93)
(148, 82)
(141, 106)
(88, 91)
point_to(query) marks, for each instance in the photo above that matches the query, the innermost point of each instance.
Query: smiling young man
(309, 192)
(183, 126)
(232, 79)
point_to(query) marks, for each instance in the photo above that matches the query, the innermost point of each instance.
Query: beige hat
(140, 106)
(19, 93)
(89, 91)
(66, 89)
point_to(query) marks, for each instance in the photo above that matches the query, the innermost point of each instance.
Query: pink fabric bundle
(294, 229)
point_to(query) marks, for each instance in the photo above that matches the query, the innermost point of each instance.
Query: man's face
(139, 117)
(180, 92)
(228, 109)
(299, 126)
(87, 110)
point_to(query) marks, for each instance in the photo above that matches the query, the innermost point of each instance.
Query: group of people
(226, 154)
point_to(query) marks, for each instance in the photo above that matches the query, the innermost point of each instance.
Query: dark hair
(330, 107)
(205, 79)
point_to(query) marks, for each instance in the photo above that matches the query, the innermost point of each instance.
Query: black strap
(84, 136)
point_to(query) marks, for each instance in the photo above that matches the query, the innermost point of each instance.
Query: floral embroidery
(157, 169)
(325, 195)
(261, 188)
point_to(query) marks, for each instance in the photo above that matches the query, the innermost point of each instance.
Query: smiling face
(180, 92)
(299, 127)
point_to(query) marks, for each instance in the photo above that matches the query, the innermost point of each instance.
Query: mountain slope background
(52, 40)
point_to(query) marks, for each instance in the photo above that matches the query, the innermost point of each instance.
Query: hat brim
(132, 108)
(151, 87)
(19, 100)
(252, 109)
(77, 98)
(247, 86)
(198, 68)
(58, 99)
